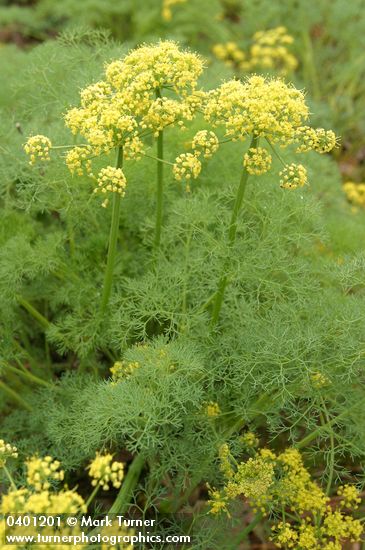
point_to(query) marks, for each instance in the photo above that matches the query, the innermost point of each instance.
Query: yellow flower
(257, 161)
(265, 107)
(325, 140)
(166, 8)
(217, 502)
(164, 112)
(293, 176)
(105, 472)
(355, 192)
(225, 465)
(14, 501)
(250, 440)
(269, 51)
(65, 502)
(319, 380)
(186, 166)
(252, 479)
(212, 409)
(161, 65)
(40, 471)
(121, 370)
(307, 538)
(229, 52)
(78, 160)
(349, 496)
(38, 148)
(111, 179)
(205, 142)
(284, 535)
(7, 451)
(307, 138)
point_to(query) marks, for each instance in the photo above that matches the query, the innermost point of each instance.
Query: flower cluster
(334, 530)
(111, 179)
(355, 193)
(325, 141)
(212, 409)
(121, 370)
(267, 109)
(26, 501)
(311, 139)
(231, 54)
(293, 176)
(38, 148)
(40, 471)
(7, 451)
(349, 496)
(186, 166)
(166, 8)
(105, 472)
(127, 105)
(249, 440)
(39, 498)
(319, 380)
(152, 67)
(252, 479)
(268, 51)
(257, 161)
(206, 143)
(225, 463)
(275, 483)
(78, 160)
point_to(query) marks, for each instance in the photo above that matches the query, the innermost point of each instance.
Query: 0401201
(26, 520)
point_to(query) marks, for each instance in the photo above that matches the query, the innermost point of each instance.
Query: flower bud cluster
(105, 472)
(257, 161)
(41, 471)
(38, 148)
(268, 51)
(7, 451)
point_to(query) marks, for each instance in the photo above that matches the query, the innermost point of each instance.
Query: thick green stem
(326, 427)
(129, 483)
(332, 442)
(26, 375)
(159, 190)
(92, 496)
(113, 239)
(14, 396)
(231, 239)
(10, 477)
(33, 312)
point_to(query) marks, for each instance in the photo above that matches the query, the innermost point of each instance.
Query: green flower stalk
(231, 237)
(270, 110)
(118, 112)
(124, 496)
(159, 188)
(113, 240)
